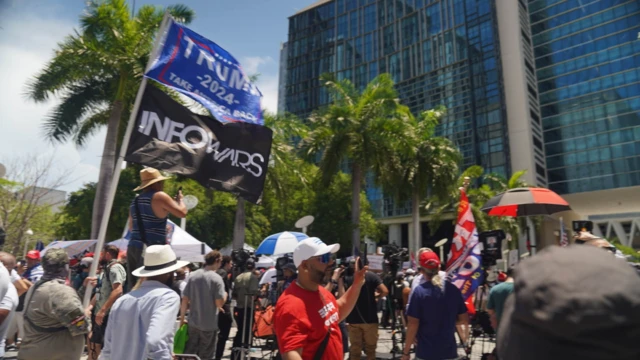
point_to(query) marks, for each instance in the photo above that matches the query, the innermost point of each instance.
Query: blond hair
(433, 275)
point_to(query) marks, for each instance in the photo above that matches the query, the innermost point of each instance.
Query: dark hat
(290, 266)
(576, 302)
(54, 260)
(250, 264)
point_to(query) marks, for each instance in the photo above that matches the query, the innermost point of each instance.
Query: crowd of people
(574, 302)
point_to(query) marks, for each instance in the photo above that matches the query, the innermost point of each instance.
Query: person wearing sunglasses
(307, 314)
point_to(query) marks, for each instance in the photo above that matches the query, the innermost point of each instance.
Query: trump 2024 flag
(199, 68)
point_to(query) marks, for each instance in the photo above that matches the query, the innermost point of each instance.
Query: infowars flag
(231, 157)
(202, 70)
(464, 266)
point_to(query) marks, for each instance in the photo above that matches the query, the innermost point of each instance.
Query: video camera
(240, 258)
(280, 263)
(395, 256)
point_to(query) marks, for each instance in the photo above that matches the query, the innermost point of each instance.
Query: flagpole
(123, 150)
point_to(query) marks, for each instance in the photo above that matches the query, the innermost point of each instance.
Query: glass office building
(438, 52)
(587, 57)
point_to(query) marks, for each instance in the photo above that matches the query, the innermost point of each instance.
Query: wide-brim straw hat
(158, 260)
(148, 177)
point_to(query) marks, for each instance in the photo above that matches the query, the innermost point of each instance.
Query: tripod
(241, 353)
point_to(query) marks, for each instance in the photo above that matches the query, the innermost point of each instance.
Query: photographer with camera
(244, 287)
(363, 321)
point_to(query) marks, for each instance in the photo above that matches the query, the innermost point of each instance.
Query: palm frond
(182, 13)
(90, 126)
(79, 100)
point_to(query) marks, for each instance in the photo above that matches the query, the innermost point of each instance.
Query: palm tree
(431, 169)
(96, 72)
(361, 129)
(283, 158)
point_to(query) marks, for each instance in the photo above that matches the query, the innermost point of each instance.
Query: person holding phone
(307, 314)
(148, 218)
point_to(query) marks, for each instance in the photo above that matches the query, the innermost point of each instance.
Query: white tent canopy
(183, 244)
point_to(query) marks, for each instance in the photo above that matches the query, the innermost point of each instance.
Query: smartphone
(360, 263)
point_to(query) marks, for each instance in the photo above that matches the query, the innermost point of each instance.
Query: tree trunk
(239, 226)
(416, 242)
(107, 166)
(356, 182)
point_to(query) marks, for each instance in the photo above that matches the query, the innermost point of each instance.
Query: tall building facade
(473, 56)
(282, 77)
(587, 57)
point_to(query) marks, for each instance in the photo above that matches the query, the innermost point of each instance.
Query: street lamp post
(29, 233)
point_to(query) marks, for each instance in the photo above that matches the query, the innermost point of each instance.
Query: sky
(251, 30)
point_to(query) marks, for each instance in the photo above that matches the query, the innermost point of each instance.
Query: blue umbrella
(280, 243)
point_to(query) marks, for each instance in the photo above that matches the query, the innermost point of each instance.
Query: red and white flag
(465, 236)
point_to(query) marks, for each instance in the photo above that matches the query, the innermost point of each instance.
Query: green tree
(360, 129)
(74, 221)
(282, 162)
(26, 200)
(430, 169)
(97, 71)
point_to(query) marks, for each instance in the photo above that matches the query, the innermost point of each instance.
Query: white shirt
(10, 303)
(142, 324)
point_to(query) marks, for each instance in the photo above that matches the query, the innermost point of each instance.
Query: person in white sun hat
(142, 322)
(307, 315)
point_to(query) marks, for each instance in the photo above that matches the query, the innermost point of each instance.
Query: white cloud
(250, 64)
(267, 81)
(22, 55)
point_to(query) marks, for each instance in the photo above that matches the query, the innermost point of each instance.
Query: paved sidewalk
(383, 350)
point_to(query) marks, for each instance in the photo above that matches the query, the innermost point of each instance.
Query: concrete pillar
(395, 234)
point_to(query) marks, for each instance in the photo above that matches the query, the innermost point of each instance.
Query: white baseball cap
(311, 247)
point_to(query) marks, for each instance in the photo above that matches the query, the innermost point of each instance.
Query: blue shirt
(142, 324)
(437, 311)
(155, 228)
(33, 274)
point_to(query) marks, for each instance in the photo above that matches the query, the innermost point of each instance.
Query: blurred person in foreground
(55, 323)
(434, 309)
(143, 322)
(8, 304)
(576, 302)
(307, 314)
(21, 286)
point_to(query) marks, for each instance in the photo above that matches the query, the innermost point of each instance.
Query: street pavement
(383, 350)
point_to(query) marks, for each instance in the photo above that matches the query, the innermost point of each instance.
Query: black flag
(231, 157)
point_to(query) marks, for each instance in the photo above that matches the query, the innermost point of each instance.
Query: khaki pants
(363, 336)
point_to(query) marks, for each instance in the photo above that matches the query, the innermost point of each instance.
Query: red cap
(88, 255)
(33, 255)
(429, 260)
(502, 276)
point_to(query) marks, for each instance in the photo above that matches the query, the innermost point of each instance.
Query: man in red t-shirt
(307, 315)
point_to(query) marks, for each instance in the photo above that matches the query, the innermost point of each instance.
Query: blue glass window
(433, 19)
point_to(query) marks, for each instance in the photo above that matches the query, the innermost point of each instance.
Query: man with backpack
(113, 281)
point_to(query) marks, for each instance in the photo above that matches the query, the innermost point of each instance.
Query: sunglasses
(326, 258)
